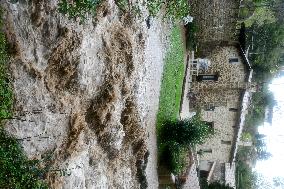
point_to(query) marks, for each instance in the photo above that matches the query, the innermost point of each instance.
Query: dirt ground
(87, 95)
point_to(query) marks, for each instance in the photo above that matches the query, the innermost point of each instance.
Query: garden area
(175, 136)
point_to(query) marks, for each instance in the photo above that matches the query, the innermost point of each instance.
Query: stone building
(216, 22)
(221, 93)
(221, 90)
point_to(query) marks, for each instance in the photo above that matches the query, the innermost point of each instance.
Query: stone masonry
(226, 91)
(216, 21)
(218, 91)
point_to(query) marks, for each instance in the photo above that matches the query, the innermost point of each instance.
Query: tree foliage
(278, 182)
(246, 178)
(186, 132)
(265, 37)
(175, 139)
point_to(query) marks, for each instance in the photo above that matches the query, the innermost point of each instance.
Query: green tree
(175, 139)
(263, 155)
(186, 132)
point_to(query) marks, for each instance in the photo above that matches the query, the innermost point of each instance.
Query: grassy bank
(173, 74)
(170, 94)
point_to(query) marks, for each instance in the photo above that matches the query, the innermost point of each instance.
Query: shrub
(176, 9)
(5, 91)
(79, 8)
(214, 185)
(174, 157)
(191, 38)
(17, 171)
(185, 132)
(175, 139)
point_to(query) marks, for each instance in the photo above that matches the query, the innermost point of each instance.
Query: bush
(185, 132)
(191, 39)
(214, 185)
(79, 8)
(174, 158)
(17, 171)
(176, 9)
(175, 139)
(5, 91)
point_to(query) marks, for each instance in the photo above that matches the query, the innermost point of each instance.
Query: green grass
(173, 74)
(170, 96)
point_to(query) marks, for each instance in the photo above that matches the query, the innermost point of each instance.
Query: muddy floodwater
(87, 94)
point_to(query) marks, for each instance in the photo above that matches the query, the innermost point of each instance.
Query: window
(226, 142)
(233, 60)
(207, 77)
(209, 107)
(206, 150)
(233, 109)
(202, 151)
(210, 124)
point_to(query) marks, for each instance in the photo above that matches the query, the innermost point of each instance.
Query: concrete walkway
(184, 107)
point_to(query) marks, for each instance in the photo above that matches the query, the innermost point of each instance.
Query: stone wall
(224, 122)
(216, 21)
(220, 101)
(231, 81)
